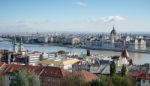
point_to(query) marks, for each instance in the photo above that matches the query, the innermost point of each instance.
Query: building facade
(114, 42)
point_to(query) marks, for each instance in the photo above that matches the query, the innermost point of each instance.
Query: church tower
(14, 44)
(20, 45)
(17, 47)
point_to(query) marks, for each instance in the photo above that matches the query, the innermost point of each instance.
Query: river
(138, 58)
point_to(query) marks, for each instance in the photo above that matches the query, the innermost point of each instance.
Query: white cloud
(113, 19)
(86, 25)
(79, 3)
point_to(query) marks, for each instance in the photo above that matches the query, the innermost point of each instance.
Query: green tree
(73, 79)
(126, 81)
(103, 81)
(61, 52)
(122, 81)
(88, 52)
(33, 80)
(1, 80)
(19, 78)
(123, 70)
(24, 78)
(95, 83)
(112, 68)
(115, 80)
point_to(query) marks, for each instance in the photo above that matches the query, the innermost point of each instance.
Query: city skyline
(74, 15)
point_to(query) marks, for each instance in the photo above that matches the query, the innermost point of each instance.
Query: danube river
(138, 58)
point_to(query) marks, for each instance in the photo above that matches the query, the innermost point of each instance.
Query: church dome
(113, 32)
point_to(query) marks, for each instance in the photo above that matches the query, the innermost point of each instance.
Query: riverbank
(81, 47)
(92, 48)
(138, 58)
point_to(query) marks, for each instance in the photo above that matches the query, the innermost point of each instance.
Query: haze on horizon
(74, 15)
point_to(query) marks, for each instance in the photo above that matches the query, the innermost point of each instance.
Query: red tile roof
(134, 73)
(39, 70)
(87, 76)
(143, 76)
(56, 72)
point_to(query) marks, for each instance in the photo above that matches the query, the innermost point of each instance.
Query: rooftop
(59, 62)
(143, 76)
(39, 70)
(87, 76)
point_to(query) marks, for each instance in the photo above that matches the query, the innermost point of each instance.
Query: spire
(113, 27)
(20, 45)
(14, 44)
(113, 31)
(123, 44)
(21, 41)
(125, 53)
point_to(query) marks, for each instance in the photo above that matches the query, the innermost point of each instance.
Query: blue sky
(74, 15)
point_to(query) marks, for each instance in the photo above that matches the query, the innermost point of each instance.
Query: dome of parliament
(113, 32)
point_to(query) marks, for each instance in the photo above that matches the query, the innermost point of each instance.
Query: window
(143, 81)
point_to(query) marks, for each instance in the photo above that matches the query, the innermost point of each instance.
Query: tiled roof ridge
(143, 76)
(87, 76)
(39, 70)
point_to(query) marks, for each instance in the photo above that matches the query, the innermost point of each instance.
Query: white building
(143, 80)
(34, 58)
(115, 42)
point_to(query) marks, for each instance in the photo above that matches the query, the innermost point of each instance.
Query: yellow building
(66, 64)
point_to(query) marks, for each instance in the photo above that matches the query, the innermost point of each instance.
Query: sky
(74, 15)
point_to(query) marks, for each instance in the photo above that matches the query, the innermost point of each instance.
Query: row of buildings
(50, 76)
(111, 41)
(114, 41)
(52, 67)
